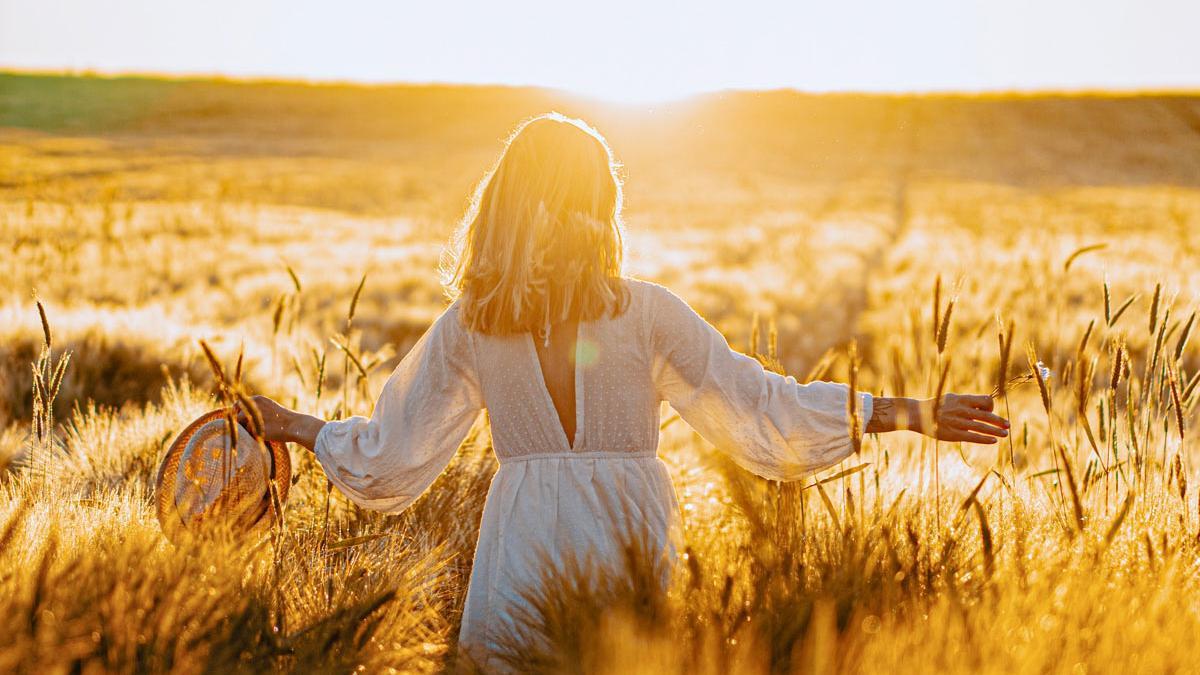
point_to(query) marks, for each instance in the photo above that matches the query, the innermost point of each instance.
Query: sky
(626, 49)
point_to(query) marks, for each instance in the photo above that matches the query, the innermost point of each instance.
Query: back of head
(542, 240)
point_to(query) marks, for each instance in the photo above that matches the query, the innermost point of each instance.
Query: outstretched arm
(768, 423)
(286, 425)
(426, 408)
(966, 418)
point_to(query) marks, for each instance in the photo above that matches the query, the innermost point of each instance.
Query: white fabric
(550, 498)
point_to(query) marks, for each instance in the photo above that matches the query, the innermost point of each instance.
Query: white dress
(557, 500)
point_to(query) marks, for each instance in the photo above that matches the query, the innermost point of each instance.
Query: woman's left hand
(283, 424)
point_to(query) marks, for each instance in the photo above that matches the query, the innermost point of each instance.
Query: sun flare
(627, 92)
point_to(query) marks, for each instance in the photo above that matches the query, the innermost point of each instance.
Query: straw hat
(205, 480)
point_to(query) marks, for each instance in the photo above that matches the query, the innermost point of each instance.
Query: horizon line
(1080, 91)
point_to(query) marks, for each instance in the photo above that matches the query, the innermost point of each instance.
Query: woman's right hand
(966, 418)
(963, 418)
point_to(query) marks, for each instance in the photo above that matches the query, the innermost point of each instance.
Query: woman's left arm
(426, 408)
(286, 425)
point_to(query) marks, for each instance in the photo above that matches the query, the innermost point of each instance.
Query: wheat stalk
(853, 413)
(1154, 302)
(1186, 335)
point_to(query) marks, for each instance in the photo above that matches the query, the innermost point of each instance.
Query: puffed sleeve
(769, 424)
(423, 414)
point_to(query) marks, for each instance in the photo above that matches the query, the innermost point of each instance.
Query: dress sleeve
(423, 414)
(769, 424)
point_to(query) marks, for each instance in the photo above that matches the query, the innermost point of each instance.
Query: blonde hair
(541, 241)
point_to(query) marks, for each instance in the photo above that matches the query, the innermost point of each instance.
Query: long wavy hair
(541, 242)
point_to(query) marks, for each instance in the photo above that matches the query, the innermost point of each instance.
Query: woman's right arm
(962, 418)
(768, 423)
(771, 424)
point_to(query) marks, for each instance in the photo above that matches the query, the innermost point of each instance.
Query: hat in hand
(212, 479)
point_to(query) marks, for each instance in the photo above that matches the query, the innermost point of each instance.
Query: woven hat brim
(164, 485)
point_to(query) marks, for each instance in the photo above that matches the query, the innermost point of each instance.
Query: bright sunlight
(625, 50)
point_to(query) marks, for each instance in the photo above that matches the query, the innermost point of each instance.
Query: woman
(572, 360)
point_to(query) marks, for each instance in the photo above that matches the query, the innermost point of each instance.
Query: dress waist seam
(577, 455)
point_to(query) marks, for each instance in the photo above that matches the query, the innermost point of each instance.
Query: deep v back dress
(561, 502)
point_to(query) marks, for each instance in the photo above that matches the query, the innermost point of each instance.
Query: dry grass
(150, 215)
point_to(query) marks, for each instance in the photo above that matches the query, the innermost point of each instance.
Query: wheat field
(937, 243)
